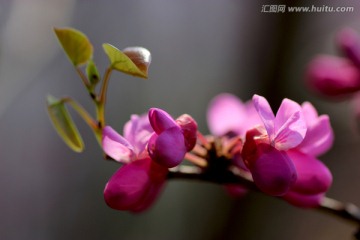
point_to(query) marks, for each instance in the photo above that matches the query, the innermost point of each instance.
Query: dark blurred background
(199, 49)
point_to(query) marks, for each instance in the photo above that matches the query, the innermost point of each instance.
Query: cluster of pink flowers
(279, 151)
(334, 76)
(150, 145)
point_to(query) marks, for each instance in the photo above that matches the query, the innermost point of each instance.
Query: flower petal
(266, 114)
(290, 125)
(292, 133)
(160, 120)
(272, 170)
(138, 131)
(133, 187)
(303, 201)
(128, 185)
(251, 119)
(225, 114)
(309, 112)
(167, 149)
(189, 128)
(319, 137)
(286, 110)
(157, 174)
(313, 176)
(116, 146)
(151, 195)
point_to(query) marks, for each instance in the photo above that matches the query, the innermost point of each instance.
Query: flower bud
(333, 76)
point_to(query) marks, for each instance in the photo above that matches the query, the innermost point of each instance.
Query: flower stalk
(346, 211)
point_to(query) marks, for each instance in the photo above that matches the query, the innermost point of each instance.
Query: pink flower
(299, 134)
(136, 184)
(125, 149)
(172, 139)
(287, 129)
(337, 76)
(147, 156)
(265, 147)
(227, 113)
(314, 178)
(279, 150)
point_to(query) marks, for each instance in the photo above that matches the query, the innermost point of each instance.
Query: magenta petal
(151, 195)
(273, 171)
(290, 125)
(135, 186)
(189, 128)
(128, 186)
(116, 146)
(266, 114)
(303, 201)
(160, 120)
(151, 147)
(313, 176)
(319, 137)
(157, 174)
(225, 113)
(167, 149)
(333, 76)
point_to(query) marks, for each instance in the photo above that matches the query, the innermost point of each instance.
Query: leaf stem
(101, 100)
(104, 87)
(85, 116)
(81, 111)
(83, 78)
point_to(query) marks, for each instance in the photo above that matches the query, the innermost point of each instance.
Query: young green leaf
(75, 44)
(64, 124)
(92, 73)
(134, 61)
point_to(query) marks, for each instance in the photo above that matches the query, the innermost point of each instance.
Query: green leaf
(64, 124)
(134, 60)
(92, 73)
(76, 45)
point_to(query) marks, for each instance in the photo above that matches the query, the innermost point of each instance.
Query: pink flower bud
(349, 42)
(172, 139)
(333, 76)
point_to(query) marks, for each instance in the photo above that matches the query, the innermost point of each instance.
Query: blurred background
(199, 49)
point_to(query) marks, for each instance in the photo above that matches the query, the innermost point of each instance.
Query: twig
(345, 211)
